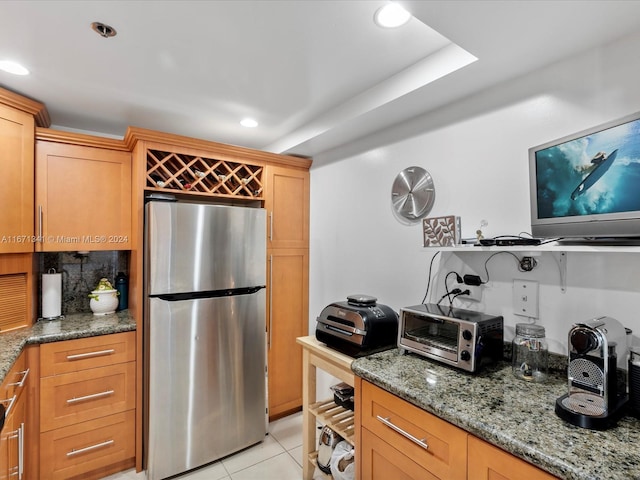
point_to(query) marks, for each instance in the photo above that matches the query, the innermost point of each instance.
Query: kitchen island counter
(77, 325)
(512, 414)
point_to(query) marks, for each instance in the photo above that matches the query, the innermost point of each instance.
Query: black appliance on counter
(358, 327)
(596, 374)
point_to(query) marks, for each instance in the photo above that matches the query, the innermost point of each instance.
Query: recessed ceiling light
(248, 122)
(391, 15)
(104, 30)
(13, 67)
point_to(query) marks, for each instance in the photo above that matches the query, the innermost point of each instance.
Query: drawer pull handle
(415, 440)
(25, 374)
(88, 449)
(80, 356)
(93, 396)
(11, 402)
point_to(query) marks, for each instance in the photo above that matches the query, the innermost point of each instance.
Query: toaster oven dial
(465, 356)
(467, 335)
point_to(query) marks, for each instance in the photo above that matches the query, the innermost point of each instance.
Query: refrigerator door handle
(270, 299)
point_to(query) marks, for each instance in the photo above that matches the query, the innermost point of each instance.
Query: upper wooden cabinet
(18, 117)
(287, 205)
(16, 194)
(83, 193)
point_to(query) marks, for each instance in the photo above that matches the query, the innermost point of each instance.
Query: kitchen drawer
(73, 451)
(86, 395)
(487, 462)
(436, 445)
(75, 355)
(16, 379)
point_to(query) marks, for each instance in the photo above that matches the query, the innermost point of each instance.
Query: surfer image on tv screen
(600, 163)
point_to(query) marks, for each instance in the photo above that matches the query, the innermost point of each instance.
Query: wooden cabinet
(487, 462)
(317, 355)
(16, 285)
(83, 196)
(87, 406)
(395, 439)
(401, 439)
(287, 319)
(287, 205)
(16, 183)
(13, 444)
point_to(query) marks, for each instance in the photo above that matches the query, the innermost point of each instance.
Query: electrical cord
(497, 253)
(455, 291)
(426, 293)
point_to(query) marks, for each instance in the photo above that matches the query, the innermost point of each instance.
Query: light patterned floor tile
(280, 467)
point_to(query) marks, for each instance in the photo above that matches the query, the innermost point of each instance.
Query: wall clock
(413, 193)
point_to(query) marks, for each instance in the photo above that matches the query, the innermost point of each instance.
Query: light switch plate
(525, 298)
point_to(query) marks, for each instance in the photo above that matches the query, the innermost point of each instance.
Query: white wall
(476, 150)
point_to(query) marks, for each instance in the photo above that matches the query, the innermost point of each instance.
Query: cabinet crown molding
(232, 152)
(28, 105)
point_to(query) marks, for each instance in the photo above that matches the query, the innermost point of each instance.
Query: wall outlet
(475, 293)
(525, 298)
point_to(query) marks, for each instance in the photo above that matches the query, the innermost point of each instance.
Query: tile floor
(279, 457)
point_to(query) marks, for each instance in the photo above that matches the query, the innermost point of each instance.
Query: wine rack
(171, 171)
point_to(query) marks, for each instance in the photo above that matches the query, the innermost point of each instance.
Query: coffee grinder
(597, 374)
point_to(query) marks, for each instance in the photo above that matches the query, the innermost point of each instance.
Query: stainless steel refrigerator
(205, 277)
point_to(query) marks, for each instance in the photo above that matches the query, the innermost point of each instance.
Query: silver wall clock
(413, 193)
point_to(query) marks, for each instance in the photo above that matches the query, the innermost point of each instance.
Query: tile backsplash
(80, 274)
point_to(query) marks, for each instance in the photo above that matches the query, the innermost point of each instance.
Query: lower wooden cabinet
(13, 441)
(487, 462)
(287, 319)
(101, 446)
(401, 441)
(87, 407)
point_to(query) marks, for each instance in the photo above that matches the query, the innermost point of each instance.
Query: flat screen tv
(586, 186)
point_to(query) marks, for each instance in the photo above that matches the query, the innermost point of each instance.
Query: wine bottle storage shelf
(339, 419)
(171, 172)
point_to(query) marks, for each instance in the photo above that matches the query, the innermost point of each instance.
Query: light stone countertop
(512, 414)
(77, 325)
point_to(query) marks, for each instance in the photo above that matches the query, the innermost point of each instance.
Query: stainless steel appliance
(357, 327)
(597, 374)
(461, 338)
(205, 276)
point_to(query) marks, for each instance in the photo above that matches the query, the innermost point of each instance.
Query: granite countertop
(77, 325)
(512, 414)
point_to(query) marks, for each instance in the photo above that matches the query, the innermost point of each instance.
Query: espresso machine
(596, 375)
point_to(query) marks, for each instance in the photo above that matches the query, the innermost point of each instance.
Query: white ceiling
(315, 74)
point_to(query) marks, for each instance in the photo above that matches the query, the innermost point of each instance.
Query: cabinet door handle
(40, 218)
(80, 356)
(270, 226)
(25, 374)
(93, 396)
(88, 449)
(21, 451)
(387, 422)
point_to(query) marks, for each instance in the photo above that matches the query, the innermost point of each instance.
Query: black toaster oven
(358, 327)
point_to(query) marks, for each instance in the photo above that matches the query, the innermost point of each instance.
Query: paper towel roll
(51, 295)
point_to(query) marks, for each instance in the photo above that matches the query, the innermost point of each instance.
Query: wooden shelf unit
(172, 171)
(317, 355)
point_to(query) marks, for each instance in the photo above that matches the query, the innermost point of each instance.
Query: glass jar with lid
(530, 353)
